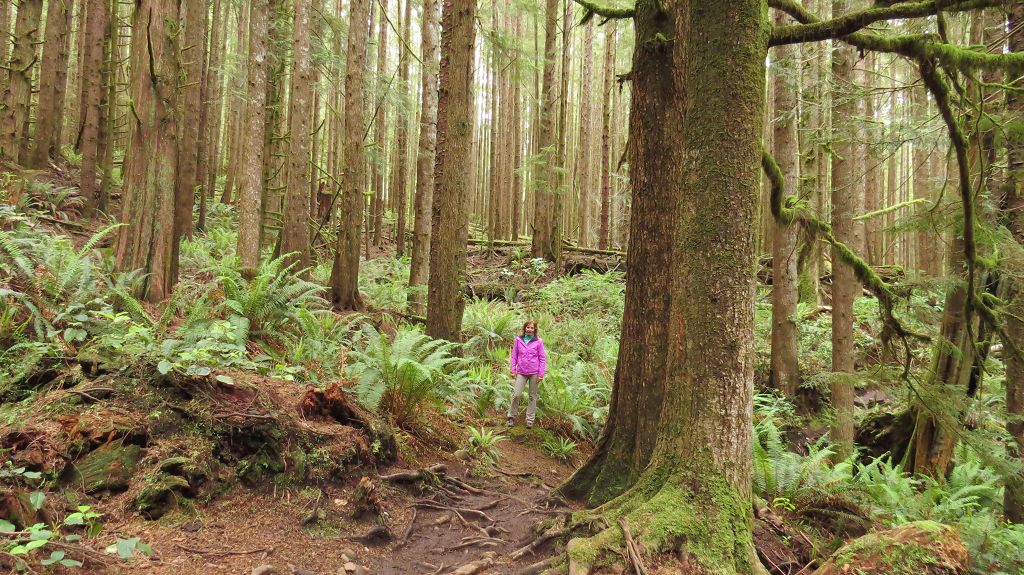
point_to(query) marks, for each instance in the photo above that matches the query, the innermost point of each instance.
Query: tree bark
(453, 183)
(215, 81)
(547, 242)
(189, 94)
(96, 29)
(695, 132)
(18, 97)
(785, 367)
(295, 237)
(250, 193)
(401, 169)
(345, 275)
(380, 132)
(586, 140)
(145, 242)
(604, 233)
(1013, 503)
(430, 54)
(845, 206)
(55, 57)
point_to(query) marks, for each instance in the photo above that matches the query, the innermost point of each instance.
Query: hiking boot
(510, 422)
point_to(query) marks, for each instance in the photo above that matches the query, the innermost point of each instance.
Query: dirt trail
(247, 529)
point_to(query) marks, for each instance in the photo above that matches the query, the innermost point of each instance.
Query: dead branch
(632, 549)
(476, 566)
(411, 476)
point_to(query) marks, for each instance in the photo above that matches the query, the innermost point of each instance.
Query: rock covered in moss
(918, 548)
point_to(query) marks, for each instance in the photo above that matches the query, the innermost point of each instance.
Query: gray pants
(531, 408)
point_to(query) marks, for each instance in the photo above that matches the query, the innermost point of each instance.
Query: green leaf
(36, 500)
(54, 558)
(36, 544)
(164, 367)
(32, 475)
(70, 563)
(72, 538)
(146, 549)
(74, 519)
(6, 526)
(200, 370)
(18, 550)
(41, 535)
(125, 547)
(226, 379)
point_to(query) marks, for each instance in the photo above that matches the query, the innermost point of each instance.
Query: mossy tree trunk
(345, 274)
(97, 13)
(18, 95)
(189, 100)
(845, 205)
(785, 367)
(55, 57)
(430, 54)
(546, 217)
(450, 218)
(401, 154)
(295, 233)
(698, 82)
(604, 220)
(1014, 497)
(151, 172)
(250, 180)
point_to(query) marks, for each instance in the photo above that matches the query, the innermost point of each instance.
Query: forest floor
(247, 529)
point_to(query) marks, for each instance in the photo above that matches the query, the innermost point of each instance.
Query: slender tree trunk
(586, 140)
(295, 237)
(845, 287)
(546, 225)
(61, 84)
(146, 241)
(108, 117)
(250, 185)
(48, 115)
(203, 145)
(785, 367)
(450, 219)
(189, 94)
(517, 145)
(401, 168)
(95, 33)
(18, 97)
(215, 79)
(430, 54)
(345, 275)
(604, 234)
(380, 133)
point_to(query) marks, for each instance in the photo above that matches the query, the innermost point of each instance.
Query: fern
(397, 376)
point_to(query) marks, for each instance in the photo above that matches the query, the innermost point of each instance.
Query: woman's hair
(529, 323)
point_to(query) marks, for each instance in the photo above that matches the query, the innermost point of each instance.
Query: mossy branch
(817, 30)
(609, 12)
(913, 46)
(787, 209)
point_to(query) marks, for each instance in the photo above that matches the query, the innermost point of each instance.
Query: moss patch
(919, 548)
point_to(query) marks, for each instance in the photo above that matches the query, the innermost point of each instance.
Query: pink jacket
(528, 358)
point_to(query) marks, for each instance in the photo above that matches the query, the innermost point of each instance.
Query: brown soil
(249, 528)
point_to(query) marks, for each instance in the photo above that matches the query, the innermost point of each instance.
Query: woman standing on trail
(527, 364)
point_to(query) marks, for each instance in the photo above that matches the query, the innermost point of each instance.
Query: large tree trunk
(517, 146)
(453, 183)
(295, 237)
(430, 53)
(18, 97)
(215, 82)
(845, 205)
(1013, 504)
(700, 147)
(55, 57)
(546, 220)
(250, 185)
(96, 29)
(145, 242)
(586, 140)
(345, 275)
(785, 367)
